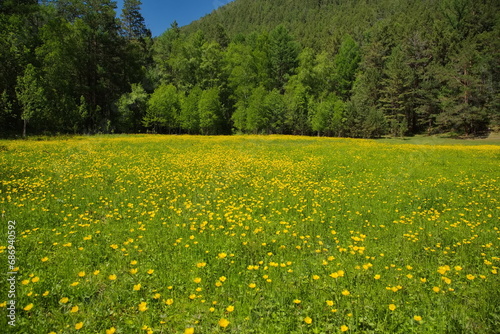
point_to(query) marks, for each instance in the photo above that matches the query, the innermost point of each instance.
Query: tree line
(422, 66)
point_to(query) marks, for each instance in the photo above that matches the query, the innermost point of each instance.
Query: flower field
(250, 234)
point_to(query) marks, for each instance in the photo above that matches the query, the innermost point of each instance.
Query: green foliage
(31, 96)
(190, 115)
(283, 53)
(163, 108)
(132, 22)
(342, 68)
(345, 65)
(210, 110)
(131, 107)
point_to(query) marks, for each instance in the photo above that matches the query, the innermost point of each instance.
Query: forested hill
(354, 68)
(319, 24)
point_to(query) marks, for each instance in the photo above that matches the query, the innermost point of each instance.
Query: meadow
(251, 234)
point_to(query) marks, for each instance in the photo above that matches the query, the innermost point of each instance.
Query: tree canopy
(330, 67)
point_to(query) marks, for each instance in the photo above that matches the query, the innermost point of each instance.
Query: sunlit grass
(249, 234)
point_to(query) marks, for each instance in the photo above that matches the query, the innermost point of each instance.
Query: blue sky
(160, 14)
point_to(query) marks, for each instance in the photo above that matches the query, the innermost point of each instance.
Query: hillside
(314, 23)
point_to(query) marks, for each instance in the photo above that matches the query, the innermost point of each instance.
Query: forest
(346, 68)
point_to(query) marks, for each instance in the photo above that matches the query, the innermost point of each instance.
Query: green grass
(276, 227)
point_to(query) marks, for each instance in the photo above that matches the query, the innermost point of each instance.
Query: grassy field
(249, 234)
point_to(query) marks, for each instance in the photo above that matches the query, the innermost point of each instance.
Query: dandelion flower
(376, 277)
(417, 318)
(28, 307)
(96, 272)
(169, 301)
(142, 306)
(470, 277)
(133, 271)
(81, 274)
(112, 277)
(436, 289)
(346, 293)
(315, 277)
(156, 296)
(75, 283)
(222, 278)
(308, 320)
(44, 259)
(252, 285)
(79, 325)
(35, 279)
(221, 255)
(151, 271)
(392, 307)
(230, 308)
(112, 330)
(297, 301)
(134, 262)
(197, 280)
(344, 328)
(64, 300)
(189, 330)
(74, 309)
(223, 323)
(137, 287)
(329, 302)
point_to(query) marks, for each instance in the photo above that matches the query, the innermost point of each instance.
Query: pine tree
(132, 21)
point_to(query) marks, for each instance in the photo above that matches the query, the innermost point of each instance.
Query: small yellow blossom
(223, 323)
(417, 318)
(74, 309)
(28, 307)
(143, 306)
(112, 330)
(308, 320)
(137, 287)
(79, 325)
(344, 328)
(230, 308)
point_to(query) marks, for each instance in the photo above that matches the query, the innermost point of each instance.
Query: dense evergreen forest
(356, 68)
